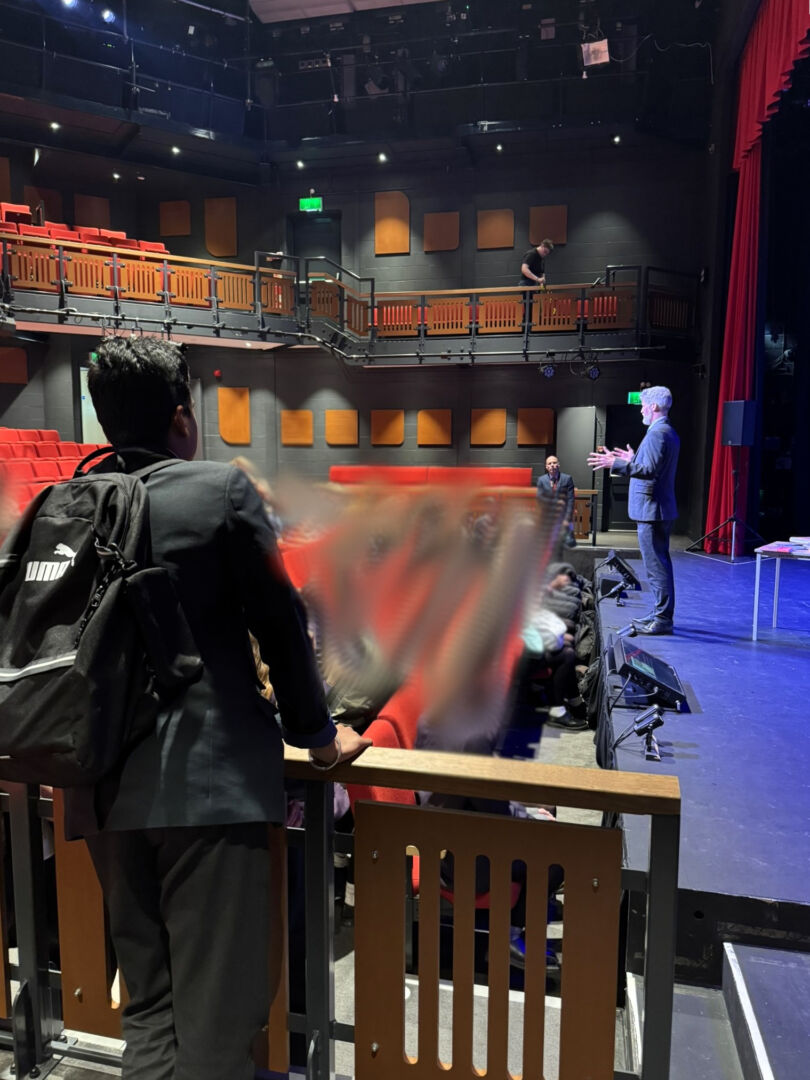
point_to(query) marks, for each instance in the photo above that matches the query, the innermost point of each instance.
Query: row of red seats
(9, 434)
(16, 218)
(21, 471)
(14, 451)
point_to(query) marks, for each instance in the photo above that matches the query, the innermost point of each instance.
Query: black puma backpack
(92, 637)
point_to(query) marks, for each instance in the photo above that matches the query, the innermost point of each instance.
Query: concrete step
(767, 993)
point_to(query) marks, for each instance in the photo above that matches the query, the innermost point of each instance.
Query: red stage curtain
(776, 41)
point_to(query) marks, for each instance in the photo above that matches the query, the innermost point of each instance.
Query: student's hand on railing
(346, 747)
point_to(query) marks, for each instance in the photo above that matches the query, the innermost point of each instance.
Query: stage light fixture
(593, 372)
(616, 140)
(382, 157)
(70, 3)
(108, 16)
(116, 176)
(54, 126)
(548, 371)
(499, 148)
(299, 164)
(175, 150)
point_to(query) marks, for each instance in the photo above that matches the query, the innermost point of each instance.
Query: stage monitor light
(595, 53)
(649, 673)
(617, 564)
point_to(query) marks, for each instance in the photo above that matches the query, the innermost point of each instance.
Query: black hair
(136, 385)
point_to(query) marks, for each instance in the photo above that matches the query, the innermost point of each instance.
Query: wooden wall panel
(175, 218)
(535, 427)
(233, 407)
(91, 210)
(342, 427)
(442, 232)
(387, 427)
(220, 227)
(14, 366)
(297, 428)
(496, 229)
(434, 427)
(548, 223)
(487, 427)
(392, 223)
(5, 180)
(54, 210)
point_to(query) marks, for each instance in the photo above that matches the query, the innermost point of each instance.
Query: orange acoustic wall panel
(175, 218)
(548, 223)
(220, 227)
(434, 427)
(52, 201)
(387, 427)
(341, 427)
(13, 366)
(442, 231)
(5, 180)
(392, 223)
(496, 229)
(487, 427)
(535, 427)
(234, 414)
(297, 427)
(91, 210)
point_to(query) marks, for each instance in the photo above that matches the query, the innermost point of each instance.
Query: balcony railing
(302, 299)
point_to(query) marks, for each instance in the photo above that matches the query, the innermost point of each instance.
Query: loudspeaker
(739, 422)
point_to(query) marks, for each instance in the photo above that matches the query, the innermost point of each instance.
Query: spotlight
(108, 16)
(140, 176)
(616, 140)
(382, 158)
(300, 164)
(499, 148)
(548, 370)
(593, 372)
(116, 176)
(70, 3)
(175, 150)
(55, 126)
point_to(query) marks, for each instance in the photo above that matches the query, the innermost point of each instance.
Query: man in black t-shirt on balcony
(533, 267)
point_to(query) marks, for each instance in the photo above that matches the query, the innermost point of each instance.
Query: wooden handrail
(482, 777)
(541, 289)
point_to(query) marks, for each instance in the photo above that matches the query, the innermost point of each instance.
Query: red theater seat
(59, 233)
(7, 451)
(24, 449)
(111, 235)
(19, 470)
(69, 449)
(48, 450)
(66, 466)
(47, 435)
(8, 226)
(90, 236)
(35, 230)
(46, 470)
(15, 212)
(8, 434)
(148, 245)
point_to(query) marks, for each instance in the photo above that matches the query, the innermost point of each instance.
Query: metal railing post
(659, 960)
(34, 1014)
(320, 929)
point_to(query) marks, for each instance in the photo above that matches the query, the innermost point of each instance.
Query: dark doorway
(313, 235)
(622, 426)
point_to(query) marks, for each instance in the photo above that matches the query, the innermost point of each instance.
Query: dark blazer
(565, 490)
(216, 755)
(652, 474)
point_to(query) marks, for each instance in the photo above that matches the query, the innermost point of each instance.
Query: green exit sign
(633, 397)
(311, 204)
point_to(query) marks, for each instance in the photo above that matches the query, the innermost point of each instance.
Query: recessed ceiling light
(499, 147)
(69, 3)
(617, 139)
(108, 16)
(175, 150)
(140, 176)
(116, 176)
(382, 158)
(55, 126)
(300, 163)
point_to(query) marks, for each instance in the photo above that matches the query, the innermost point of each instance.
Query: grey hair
(658, 395)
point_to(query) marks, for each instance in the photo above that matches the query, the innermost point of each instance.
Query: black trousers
(189, 919)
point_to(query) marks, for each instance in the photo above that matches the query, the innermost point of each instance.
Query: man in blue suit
(651, 469)
(554, 487)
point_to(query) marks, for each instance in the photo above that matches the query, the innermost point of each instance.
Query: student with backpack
(178, 829)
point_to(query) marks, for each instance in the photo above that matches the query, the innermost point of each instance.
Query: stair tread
(702, 1041)
(778, 983)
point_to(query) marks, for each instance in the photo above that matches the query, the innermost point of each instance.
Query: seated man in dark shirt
(533, 267)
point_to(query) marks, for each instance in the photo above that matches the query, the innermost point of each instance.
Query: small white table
(778, 552)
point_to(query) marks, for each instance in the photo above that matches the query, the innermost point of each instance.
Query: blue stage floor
(743, 754)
